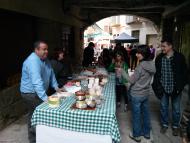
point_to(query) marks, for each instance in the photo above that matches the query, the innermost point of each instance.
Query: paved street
(156, 137)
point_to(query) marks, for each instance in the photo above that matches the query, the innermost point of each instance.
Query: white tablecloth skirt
(45, 134)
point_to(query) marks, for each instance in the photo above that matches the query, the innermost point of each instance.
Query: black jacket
(184, 123)
(88, 56)
(180, 74)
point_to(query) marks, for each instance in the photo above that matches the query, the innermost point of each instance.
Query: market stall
(65, 124)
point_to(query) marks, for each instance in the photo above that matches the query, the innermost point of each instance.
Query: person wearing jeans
(139, 91)
(140, 106)
(169, 81)
(164, 109)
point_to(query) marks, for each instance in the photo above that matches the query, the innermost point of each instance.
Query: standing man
(88, 55)
(169, 81)
(37, 75)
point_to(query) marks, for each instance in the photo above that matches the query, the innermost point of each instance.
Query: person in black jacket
(185, 123)
(88, 55)
(185, 119)
(169, 81)
(58, 67)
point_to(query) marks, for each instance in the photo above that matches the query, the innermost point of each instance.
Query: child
(140, 88)
(118, 64)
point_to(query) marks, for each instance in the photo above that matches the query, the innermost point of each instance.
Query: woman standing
(58, 66)
(140, 88)
(118, 64)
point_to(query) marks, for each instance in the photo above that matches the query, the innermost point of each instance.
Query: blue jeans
(140, 116)
(164, 110)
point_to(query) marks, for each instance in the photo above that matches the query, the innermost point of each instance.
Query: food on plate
(81, 104)
(53, 101)
(80, 95)
(69, 83)
(63, 94)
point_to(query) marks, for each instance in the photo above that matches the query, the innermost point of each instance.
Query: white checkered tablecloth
(99, 121)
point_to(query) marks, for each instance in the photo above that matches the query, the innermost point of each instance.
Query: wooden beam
(181, 9)
(128, 2)
(92, 1)
(147, 8)
(156, 18)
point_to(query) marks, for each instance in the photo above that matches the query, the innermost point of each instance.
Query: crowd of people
(166, 74)
(164, 70)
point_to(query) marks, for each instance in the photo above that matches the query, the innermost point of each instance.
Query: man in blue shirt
(37, 76)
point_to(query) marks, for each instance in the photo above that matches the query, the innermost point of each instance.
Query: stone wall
(50, 15)
(185, 42)
(22, 23)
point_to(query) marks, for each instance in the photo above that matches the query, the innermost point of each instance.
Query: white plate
(63, 94)
(72, 89)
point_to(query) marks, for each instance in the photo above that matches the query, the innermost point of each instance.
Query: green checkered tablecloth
(99, 121)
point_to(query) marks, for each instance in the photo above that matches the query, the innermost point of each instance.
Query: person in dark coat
(105, 58)
(185, 119)
(185, 124)
(58, 66)
(88, 55)
(169, 81)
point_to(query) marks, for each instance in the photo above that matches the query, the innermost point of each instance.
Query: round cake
(53, 101)
(81, 104)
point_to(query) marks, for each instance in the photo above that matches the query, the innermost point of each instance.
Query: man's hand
(60, 90)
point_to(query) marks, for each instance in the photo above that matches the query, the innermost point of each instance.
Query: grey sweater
(141, 79)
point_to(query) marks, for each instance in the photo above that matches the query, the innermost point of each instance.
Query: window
(135, 34)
